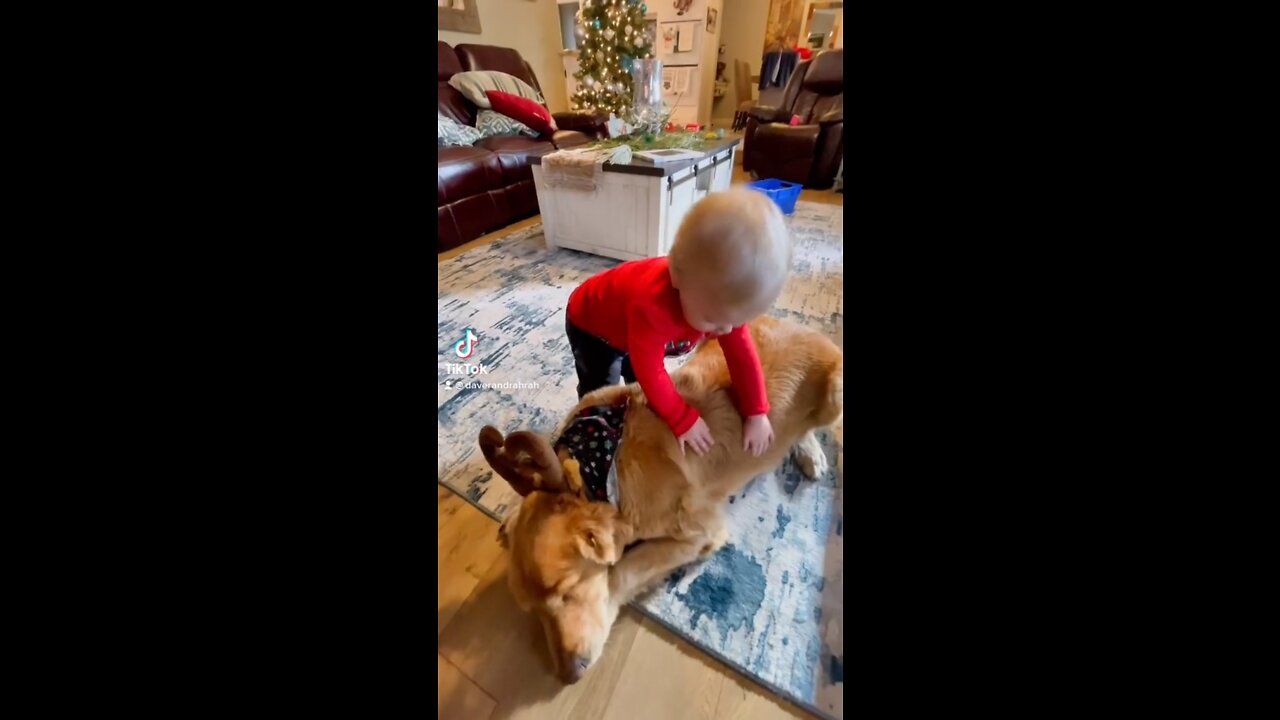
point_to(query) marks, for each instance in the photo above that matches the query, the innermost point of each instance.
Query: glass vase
(648, 111)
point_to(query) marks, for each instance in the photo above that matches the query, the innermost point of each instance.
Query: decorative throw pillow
(523, 110)
(451, 133)
(492, 124)
(473, 86)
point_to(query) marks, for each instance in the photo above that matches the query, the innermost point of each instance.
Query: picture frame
(458, 16)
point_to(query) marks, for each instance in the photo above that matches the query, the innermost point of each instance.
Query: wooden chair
(742, 82)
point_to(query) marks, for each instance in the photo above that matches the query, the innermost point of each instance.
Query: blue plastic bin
(783, 193)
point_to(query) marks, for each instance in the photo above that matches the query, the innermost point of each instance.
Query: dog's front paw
(812, 465)
(717, 540)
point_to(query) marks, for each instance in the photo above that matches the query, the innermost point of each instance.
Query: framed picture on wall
(458, 16)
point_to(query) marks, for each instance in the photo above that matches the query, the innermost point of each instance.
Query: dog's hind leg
(810, 456)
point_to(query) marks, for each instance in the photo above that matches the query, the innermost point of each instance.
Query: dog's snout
(575, 667)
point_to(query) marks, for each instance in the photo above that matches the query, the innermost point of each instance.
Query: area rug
(770, 603)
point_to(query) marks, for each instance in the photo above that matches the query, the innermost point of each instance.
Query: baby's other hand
(757, 434)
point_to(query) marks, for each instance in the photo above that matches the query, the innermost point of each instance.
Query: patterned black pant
(598, 363)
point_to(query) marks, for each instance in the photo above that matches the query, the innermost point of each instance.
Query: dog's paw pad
(717, 541)
(812, 466)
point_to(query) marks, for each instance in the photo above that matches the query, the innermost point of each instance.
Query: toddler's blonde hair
(735, 246)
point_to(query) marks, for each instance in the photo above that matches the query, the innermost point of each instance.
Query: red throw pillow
(529, 112)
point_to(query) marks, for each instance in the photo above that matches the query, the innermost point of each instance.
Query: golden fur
(567, 559)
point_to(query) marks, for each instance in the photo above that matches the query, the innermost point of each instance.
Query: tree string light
(613, 35)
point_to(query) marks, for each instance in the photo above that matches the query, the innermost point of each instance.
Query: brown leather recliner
(490, 184)
(808, 153)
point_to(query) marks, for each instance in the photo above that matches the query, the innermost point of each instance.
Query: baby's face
(703, 315)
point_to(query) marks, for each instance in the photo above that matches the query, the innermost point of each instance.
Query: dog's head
(561, 546)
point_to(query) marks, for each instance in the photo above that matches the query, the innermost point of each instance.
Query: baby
(727, 266)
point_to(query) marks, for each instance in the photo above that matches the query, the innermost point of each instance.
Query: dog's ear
(523, 459)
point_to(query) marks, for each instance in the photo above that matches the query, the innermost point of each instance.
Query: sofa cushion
(447, 63)
(513, 155)
(465, 171)
(448, 100)
(474, 86)
(451, 103)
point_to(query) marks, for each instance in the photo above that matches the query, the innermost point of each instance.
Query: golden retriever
(567, 552)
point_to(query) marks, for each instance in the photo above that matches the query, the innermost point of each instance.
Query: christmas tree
(612, 34)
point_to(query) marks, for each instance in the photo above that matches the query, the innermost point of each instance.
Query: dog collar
(593, 438)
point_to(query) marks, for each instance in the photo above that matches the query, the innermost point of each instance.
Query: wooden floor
(492, 662)
(739, 177)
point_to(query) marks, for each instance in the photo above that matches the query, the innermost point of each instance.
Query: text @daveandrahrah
(466, 384)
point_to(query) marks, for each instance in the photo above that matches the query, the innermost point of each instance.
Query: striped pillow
(473, 86)
(492, 124)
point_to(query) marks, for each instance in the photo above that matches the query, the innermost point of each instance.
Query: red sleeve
(646, 344)
(745, 371)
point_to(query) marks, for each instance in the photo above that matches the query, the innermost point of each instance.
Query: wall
(530, 27)
(742, 33)
(708, 107)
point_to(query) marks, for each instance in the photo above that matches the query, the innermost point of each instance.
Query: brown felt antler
(523, 459)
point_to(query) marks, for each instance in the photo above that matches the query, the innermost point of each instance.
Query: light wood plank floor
(492, 661)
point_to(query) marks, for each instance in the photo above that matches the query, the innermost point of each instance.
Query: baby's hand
(757, 434)
(697, 437)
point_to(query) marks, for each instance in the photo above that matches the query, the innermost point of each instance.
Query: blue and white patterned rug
(770, 602)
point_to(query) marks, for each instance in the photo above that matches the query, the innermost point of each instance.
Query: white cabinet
(682, 85)
(683, 115)
(681, 43)
(688, 49)
(627, 216)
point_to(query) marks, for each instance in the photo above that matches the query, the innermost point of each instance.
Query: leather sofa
(808, 153)
(490, 185)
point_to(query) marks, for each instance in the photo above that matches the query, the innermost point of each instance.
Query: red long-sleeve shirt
(634, 308)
